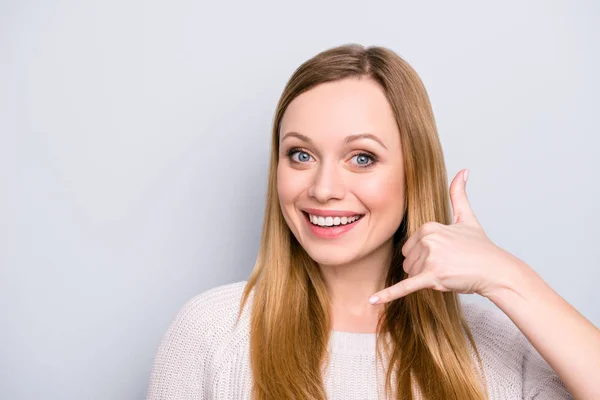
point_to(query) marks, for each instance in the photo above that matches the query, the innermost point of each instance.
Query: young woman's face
(340, 176)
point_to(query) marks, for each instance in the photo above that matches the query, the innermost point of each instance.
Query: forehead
(339, 108)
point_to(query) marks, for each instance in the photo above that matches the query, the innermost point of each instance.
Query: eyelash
(295, 150)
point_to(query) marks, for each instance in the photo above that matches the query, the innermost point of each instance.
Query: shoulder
(209, 314)
(194, 343)
(488, 322)
(495, 334)
(216, 304)
(508, 355)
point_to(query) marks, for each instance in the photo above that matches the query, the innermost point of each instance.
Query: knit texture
(205, 355)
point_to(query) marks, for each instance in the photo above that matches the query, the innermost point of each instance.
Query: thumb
(458, 196)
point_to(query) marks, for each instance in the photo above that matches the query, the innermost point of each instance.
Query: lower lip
(331, 232)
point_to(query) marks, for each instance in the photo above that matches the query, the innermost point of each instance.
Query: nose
(327, 184)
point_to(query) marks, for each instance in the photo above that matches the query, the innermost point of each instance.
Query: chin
(326, 255)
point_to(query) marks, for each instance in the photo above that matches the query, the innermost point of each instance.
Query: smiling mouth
(331, 222)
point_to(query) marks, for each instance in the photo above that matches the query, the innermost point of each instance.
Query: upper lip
(330, 213)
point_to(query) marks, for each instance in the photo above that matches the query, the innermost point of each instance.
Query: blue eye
(303, 157)
(299, 156)
(363, 160)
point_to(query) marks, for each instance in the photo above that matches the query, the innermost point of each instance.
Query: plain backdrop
(134, 149)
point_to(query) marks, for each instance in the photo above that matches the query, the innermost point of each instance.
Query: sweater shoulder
(207, 316)
(509, 357)
(203, 330)
(212, 314)
(220, 303)
(489, 322)
(495, 334)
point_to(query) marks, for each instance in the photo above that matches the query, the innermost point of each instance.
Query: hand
(458, 257)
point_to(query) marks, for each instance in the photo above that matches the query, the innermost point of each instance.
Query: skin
(355, 264)
(457, 257)
(461, 258)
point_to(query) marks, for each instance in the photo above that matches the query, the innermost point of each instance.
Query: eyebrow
(348, 139)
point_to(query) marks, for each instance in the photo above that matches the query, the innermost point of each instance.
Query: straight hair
(423, 338)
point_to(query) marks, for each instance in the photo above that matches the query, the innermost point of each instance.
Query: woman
(357, 205)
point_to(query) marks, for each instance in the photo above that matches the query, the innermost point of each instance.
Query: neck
(350, 286)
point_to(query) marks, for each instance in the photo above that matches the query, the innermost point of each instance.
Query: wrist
(516, 281)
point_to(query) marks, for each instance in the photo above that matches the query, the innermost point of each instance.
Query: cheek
(383, 193)
(289, 185)
(289, 190)
(284, 189)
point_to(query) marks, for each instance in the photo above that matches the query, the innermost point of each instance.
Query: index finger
(402, 288)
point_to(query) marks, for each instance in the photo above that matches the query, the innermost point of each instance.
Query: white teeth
(331, 221)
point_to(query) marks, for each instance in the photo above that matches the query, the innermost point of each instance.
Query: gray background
(134, 147)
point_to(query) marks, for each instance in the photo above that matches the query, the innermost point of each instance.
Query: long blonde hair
(290, 320)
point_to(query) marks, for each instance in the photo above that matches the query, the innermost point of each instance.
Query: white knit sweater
(203, 356)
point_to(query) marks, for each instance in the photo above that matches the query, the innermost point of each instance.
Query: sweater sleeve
(539, 379)
(182, 364)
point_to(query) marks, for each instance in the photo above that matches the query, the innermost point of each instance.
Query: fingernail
(373, 299)
(466, 175)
